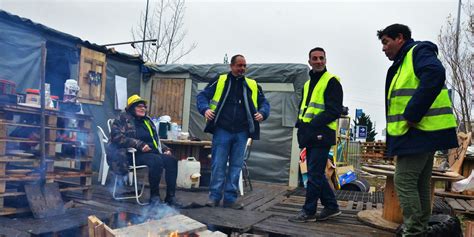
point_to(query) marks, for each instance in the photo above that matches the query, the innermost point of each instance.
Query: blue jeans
(226, 147)
(318, 186)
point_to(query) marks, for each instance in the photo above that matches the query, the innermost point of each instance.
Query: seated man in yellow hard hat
(133, 128)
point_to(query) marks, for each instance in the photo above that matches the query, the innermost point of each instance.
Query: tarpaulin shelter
(66, 58)
(172, 90)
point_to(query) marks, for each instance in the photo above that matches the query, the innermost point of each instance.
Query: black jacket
(317, 133)
(432, 77)
(230, 113)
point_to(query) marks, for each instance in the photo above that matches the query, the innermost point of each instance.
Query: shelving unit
(69, 149)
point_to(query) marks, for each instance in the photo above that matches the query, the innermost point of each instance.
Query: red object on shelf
(33, 91)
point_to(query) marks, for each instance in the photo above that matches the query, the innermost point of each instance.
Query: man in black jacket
(320, 108)
(419, 120)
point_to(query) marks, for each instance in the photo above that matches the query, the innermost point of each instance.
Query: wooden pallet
(374, 150)
(461, 206)
(177, 225)
(55, 123)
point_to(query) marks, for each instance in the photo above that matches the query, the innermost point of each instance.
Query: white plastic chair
(245, 171)
(104, 167)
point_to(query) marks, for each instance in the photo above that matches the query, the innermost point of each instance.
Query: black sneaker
(302, 217)
(235, 206)
(327, 213)
(212, 203)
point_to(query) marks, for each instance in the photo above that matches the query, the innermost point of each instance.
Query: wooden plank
(179, 224)
(225, 217)
(10, 232)
(73, 218)
(374, 218)
(465, 205)
(453, 195)
(456, 155)
(350, 205)
(368, 206)
(454, 204)
(281, 226)
(97, 228)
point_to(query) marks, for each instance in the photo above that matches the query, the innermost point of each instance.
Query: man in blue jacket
(233, 106)
(419, 120)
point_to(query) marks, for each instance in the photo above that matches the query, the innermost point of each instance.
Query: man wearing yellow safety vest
(134, 129)
(233, 106)
(320, 107)
(419, 120)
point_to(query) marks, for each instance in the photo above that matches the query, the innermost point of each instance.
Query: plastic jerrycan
(189, 171)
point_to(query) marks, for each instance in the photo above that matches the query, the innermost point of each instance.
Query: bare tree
(456, 55)
(166, 25)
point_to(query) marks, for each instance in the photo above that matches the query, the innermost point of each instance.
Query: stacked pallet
(69, 149)
(375, 152)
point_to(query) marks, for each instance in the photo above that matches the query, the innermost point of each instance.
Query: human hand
(146, 148)
(167, 152)
(209, 114)
(258, 116)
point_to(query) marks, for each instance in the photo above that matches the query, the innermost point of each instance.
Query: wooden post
(469, 232)
(391, 204)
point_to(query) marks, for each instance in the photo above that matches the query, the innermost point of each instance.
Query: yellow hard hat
(134, 99)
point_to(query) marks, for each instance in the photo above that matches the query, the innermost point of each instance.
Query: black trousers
(318, 185)
(156, 163)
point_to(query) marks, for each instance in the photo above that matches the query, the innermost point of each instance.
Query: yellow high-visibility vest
(316, 104)
(150, 130)
(403, 86)
(252, 84)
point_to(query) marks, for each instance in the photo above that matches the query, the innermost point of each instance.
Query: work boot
(173, 202)
(302, 217)
(212, 203)
(234, 205)
(327, 213)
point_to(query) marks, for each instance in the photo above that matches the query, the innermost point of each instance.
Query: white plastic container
(189, 171)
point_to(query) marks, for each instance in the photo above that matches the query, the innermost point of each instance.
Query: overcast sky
(264, 32)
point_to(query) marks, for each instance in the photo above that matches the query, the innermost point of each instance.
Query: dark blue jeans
(156, 163)
(318, 186)
(226, 147)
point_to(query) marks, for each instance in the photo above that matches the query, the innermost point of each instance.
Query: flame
(174, 234)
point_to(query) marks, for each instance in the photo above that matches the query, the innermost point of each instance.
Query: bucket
(189, 173)
(360, 184)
